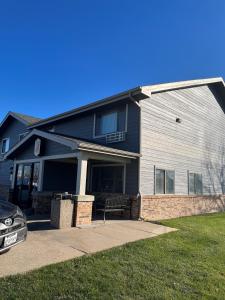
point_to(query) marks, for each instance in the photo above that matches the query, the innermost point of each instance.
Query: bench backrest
(117, 202)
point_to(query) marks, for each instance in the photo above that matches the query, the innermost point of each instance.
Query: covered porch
(88, 173)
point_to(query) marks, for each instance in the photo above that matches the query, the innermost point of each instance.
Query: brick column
(135, 207)
(83, 210)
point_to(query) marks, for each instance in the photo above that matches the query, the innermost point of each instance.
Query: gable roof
(73, 143)
(25, 119)
(162, 87)
(136, 94)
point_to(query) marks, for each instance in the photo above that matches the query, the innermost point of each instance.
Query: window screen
(195, 183)
(164, 181)
(170, 178)
(160, 181)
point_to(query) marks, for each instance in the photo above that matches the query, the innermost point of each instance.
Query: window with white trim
(22, 135)
(110, 121)
(164, 181)
(5, 145)
(105, 123)
(195, 186)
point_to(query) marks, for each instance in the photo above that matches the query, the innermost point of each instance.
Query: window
(164, 181)
(113, 120)
(36, 171)
(195, 183)
(22, 135)
(106, 123)
(50, 128)
(5, 145)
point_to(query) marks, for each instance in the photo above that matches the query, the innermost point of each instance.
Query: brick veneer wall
(173, 206)
(132, 213)
(83, 212)
(4, 192)
(135, 207)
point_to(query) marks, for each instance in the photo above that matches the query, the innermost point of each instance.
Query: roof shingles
(28, 119)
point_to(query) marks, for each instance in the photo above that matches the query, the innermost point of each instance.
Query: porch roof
(73, 143)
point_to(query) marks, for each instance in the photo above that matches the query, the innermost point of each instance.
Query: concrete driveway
(46, 245)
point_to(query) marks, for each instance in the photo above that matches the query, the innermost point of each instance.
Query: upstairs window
(5, 145)
(22, 135)
(164, 181)
(195, 186)
(111, 121)
(106, 123)
(50, 128)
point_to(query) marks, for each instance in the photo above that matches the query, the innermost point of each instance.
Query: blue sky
(57, 55)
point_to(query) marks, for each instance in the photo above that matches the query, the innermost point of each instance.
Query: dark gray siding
(81, 126)
(5, 172)
(47, 148)
(132, 178)
(11, 130)
(197, 144)
(132, 136)
(53, 148)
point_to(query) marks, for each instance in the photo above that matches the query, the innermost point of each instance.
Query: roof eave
(11, 114)
(181, 84)
(137, 93)
(106, 150)
(74, 145)
(43, 134)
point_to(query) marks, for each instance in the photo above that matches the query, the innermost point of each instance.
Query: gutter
(139, 92)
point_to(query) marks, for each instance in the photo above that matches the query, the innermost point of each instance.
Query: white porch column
(81, 175)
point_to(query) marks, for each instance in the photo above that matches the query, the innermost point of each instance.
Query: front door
(26, 181)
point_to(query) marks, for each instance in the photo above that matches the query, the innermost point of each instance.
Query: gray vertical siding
(197, 144)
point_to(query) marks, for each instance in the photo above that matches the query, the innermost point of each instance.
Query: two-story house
(163, 144)
(13, 129)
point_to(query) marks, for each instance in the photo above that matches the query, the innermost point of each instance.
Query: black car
(13, 226)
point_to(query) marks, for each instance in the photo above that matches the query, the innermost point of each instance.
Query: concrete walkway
(46, 245)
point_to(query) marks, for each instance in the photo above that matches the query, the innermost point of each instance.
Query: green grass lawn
(187, 264)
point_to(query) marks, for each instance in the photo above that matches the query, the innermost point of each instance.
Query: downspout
(140, 151)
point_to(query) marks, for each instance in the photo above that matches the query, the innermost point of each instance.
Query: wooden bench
(117, 203)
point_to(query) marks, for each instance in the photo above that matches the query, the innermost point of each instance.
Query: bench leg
(104, 216)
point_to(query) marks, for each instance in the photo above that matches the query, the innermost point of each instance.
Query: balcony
(116, 137)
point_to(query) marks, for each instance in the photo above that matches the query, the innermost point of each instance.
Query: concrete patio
(46, 245)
